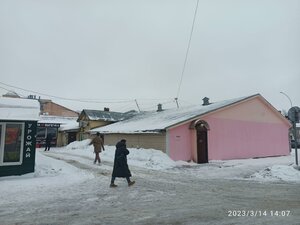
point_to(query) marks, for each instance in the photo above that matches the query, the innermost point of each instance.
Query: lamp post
(294, 121)
(287, 97)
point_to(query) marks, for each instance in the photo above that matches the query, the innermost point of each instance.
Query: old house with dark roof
(90, 119)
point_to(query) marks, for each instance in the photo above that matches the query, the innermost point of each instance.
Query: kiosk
(18, 125)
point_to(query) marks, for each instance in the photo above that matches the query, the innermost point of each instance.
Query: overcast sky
(117, 51)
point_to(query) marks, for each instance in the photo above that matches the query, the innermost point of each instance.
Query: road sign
(294, 114)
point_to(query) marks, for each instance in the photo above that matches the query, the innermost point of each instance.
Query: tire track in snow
(78, 164)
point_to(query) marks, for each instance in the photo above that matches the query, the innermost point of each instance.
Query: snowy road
(159, 197)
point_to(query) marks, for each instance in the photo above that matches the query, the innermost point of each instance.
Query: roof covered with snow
(66, 123)
(56, 119)
(156, 121)
(19, 109)
(96, 115)
(72, 125)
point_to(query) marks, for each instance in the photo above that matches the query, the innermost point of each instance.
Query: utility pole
(296, 142)
(176, 100)
(294, 114)
(137, 105)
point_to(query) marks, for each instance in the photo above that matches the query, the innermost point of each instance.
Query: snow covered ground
(262, 169)
(68, 179)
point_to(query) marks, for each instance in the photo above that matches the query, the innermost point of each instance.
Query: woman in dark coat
(120, 164)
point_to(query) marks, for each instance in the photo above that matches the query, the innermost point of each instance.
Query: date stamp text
(258, 213)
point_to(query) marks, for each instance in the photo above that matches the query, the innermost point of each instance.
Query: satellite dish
(294, 114)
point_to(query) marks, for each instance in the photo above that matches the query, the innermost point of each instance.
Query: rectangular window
(52, 132)
(11, 151)
(41, 133)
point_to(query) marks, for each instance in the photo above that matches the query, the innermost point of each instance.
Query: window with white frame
(11, 142)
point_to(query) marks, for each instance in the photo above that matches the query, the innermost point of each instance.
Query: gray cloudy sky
(116, 50)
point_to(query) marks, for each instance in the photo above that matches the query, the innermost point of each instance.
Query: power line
(69, 99)
(5, 89)
(115, 101)
(187, 51)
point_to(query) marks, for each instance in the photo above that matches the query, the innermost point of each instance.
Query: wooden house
(90, 119)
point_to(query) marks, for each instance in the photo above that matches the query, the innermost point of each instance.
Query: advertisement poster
(12, 148)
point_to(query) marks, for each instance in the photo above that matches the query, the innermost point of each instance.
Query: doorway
(71, 137)
(202, 148)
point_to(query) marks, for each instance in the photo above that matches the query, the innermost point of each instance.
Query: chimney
(205, 101)
(159, 108)
(106, 109)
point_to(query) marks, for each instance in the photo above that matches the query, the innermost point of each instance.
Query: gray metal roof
(96, 115)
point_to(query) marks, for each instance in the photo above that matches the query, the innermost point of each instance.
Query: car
(293, 144)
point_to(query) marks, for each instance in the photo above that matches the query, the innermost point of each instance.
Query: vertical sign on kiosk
(29, 146)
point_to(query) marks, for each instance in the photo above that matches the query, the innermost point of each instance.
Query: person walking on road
(48, 142)
(120, 164)
(97, 142)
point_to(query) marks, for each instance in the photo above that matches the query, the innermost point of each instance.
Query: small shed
(68, 133)
(18, 125)
(245, 127)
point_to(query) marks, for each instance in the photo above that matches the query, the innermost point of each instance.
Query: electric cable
(187, 50)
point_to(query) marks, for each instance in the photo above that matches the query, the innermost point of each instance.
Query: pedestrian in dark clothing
(48, 142)
(98, 146)
(120, 164)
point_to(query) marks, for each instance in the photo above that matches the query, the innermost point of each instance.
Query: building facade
(246, 127)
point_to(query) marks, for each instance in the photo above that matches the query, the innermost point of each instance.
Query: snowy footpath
(67, 188)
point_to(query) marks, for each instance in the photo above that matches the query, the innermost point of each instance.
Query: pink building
(247, 127)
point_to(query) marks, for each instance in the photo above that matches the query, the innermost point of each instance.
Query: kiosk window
(11, 143)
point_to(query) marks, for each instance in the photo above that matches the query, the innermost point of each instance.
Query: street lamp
(287, 97)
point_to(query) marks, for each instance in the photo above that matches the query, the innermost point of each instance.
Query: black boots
(131, 183)
(112, 185)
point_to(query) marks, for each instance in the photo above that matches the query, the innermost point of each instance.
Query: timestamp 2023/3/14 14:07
(255, 213)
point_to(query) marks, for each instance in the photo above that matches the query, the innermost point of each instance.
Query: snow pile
(146, 158)
(262, 169)
(278, 173)
(51, 168)
(79, 144)
(48, 173)
(150, 158)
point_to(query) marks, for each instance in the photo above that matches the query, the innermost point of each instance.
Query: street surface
(158, 197)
